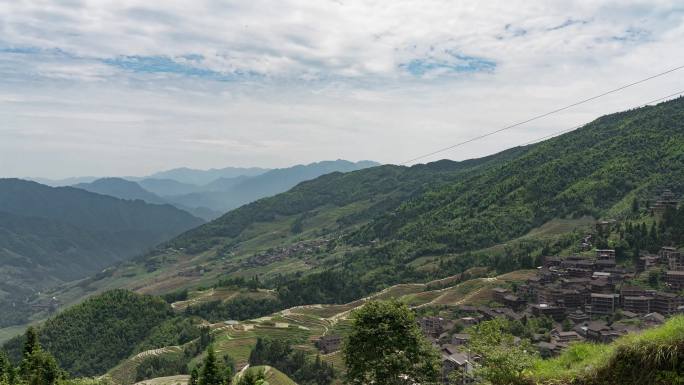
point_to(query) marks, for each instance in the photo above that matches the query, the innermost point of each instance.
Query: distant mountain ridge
(122, 189)
(220, 195)
(225, 194)
(202, 177)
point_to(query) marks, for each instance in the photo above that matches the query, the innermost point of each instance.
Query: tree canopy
(386, 347)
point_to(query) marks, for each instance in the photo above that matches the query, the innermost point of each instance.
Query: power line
(544, 115)
(581, 125)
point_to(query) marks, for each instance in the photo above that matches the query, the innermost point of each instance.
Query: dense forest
(120, 320)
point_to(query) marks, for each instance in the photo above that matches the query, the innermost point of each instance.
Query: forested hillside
(53, 235)
(92, 337)
(595, 171)
(344, 235)
(451, 207)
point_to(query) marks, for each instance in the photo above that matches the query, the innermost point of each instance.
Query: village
(586, 298)
(582, 297)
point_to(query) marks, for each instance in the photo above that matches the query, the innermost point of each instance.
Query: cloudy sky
(128, 87)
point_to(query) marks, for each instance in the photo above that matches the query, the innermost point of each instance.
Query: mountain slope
(92, 337)
(590, 171)
(122, 189)
(343, 235)
(52, 235)
(167, 187)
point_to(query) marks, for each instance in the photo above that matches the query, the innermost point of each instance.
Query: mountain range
(210, 193)
(363, 230)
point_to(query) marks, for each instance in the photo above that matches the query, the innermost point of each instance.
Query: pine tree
(31, 343)
(38, 367)
(211, 374)
(5, 366)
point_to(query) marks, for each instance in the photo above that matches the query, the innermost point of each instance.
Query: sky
(127, 87)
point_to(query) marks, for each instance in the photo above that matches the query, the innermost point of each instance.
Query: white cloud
(142, 85)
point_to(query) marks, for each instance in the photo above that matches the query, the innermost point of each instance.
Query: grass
(655, 356)
(578, 360)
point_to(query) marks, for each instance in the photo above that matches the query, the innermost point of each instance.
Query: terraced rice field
(172, 380)
(125, 372)
(303, 325)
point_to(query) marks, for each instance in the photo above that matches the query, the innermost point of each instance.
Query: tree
(385, 346)
(504, 362)
(37, 367)
(253, 377)
(567, 325)
(42, 369)
(194, 377)
(31, 343)
(211, 374)
(5, 365)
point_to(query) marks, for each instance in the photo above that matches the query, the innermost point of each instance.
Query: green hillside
(595, 171)
(92, 337)
(49, 236)
(344, 235)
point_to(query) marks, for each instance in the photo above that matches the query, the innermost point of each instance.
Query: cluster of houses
(588, 298)
(280, 253)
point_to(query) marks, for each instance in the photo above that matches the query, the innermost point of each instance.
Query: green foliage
(174, 331)
(279, 354)
(240, 308)
(194, 377)
(385, 346)
(118, 320)
(638, 150)
(162, 366)
(253, 377)
(211, 373)
(504, 362)
(180, 295)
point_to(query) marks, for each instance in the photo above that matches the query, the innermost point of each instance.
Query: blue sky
(131, 87)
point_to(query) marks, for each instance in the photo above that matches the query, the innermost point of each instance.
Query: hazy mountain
(50, 235)
(64, 182)
(228, 193)
(225, 184)
(122, 189)
(202, 177)
(166, 187)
